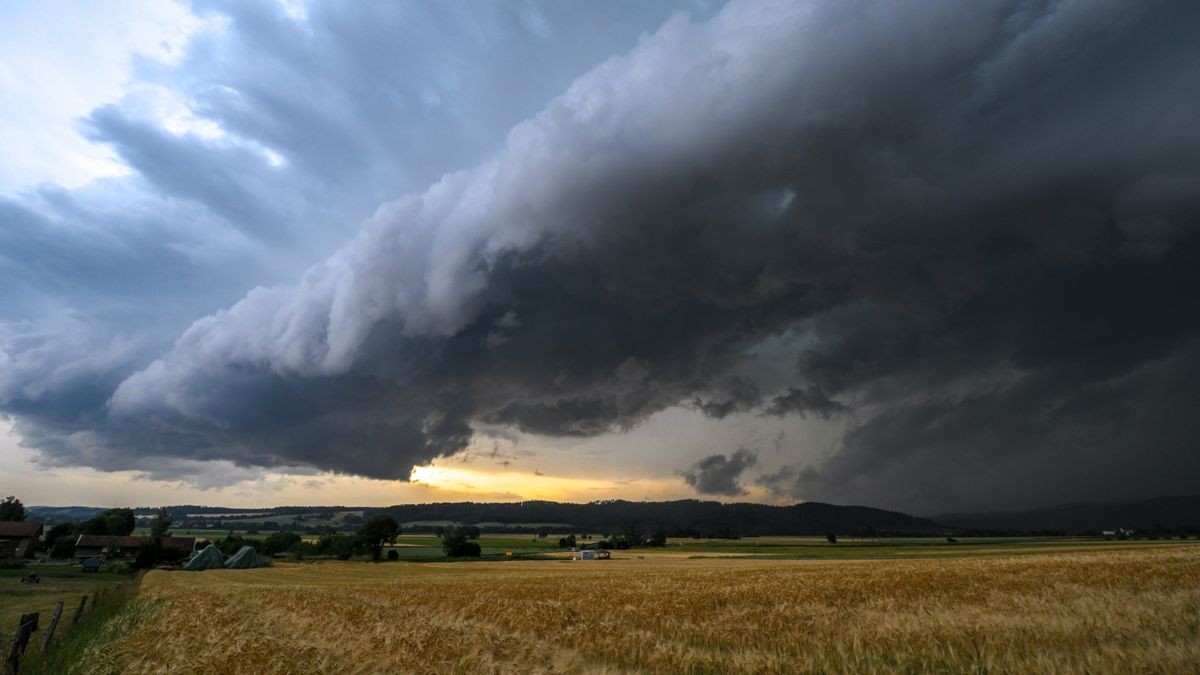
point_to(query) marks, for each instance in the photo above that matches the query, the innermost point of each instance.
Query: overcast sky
(930, 256)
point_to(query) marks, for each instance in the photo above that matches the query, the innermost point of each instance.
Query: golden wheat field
(1099, 612)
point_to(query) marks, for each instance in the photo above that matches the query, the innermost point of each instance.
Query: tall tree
(12, 509)
(113, 522)
(162, 523)
(456, 542)
(120, 522)
(279, 542)
(376, 532)
(59, 541)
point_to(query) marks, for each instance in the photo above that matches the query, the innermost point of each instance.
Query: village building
(19, 539)
(96, 545)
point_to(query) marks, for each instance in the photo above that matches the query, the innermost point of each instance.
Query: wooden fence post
(78, 612)
(26, 628)
(53, 624)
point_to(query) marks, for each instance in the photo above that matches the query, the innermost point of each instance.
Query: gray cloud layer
(974, 223)
(362, 103)
(720, 475)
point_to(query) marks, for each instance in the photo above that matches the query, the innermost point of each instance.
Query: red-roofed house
(19, 539)
(95, 545)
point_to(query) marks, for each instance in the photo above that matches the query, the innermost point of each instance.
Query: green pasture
(425, 547)
(417, 548)
(298, 519)
(207, 533)
(59, 582)
(428, 547)
(907, 547)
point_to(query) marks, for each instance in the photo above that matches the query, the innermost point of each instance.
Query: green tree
(119, 521)
(338, 545)
(93, 526)
(54, 534)
(11, 509)
(113, 522)
(379, 530)
(162, 523)
(148, 554)
(63, 547)
(456, 542)
(567, 541)
(234, 543)
(279, 542)
(659, 538)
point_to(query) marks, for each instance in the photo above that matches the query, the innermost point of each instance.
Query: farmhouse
(19, 539)
(94, 545)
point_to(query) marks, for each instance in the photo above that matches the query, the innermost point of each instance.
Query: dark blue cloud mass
(975, 227)
(321, 118)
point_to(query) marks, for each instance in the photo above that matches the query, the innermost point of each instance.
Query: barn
(19, 539)
(96, 545)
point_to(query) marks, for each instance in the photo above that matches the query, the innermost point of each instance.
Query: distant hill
(689, 516)
(60, 513)
(1146, 514)
(78, 513)
(705, 517)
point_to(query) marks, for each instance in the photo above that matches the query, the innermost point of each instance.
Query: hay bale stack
(246, 558)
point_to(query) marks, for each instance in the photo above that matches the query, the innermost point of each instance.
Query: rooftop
(20, 529)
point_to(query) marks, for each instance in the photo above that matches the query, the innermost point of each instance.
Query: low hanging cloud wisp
(977, 221)
(720, 475)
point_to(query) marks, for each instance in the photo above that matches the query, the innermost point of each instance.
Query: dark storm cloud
(718, 474)
(319, 121)
(804, 401)
(728, 396)
(781, 482)
(975, 225)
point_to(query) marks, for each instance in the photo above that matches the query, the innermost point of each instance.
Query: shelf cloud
(974, 228)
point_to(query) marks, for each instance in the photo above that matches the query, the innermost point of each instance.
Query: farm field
(219, 532)
(424, 547)
(417, 547)
(901, 547)
(206, 533)
(59, 582)
(1123, 608)
(427, 547)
